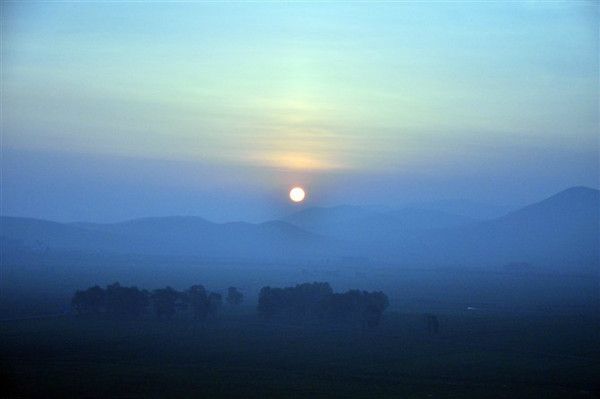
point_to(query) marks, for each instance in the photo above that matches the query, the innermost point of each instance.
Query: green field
(488, 356)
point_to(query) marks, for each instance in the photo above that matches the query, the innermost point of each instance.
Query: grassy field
(240, 356)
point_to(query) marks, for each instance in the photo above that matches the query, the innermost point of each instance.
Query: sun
(297, 194)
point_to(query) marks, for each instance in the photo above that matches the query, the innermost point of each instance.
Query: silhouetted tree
(342, 306)
(164, 302)
(317, 300)
(198, 300)
(125, 301)
(303, 300)
(268, 301)
(307, 299)
(90, 301)
(375, 304)
(115, 300)
(202, 302)
(234, 296)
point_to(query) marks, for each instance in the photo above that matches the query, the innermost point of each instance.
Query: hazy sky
(116, 110)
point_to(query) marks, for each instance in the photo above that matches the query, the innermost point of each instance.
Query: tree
(302, 301)
(164, 301)
(90, 301)
(198, 300)
(234, 296)
(203, 303)
(266, 301)
(375, 304)
(125, 301)
(115, 300)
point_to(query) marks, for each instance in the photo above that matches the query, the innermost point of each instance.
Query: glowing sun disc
(297, 194)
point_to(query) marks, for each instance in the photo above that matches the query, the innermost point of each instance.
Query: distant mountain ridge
(466, 208)
(182, 236)
(562, 229)
(355, 223)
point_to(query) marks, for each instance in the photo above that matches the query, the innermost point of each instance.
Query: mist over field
(448, 280)
(299, 199)
(555, 238)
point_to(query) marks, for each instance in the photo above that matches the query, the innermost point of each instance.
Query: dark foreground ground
(487, 356)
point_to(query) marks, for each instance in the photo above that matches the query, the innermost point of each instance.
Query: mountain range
(562, 229)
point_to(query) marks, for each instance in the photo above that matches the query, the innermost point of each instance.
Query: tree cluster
(114, 300)
(304, 301)
(202, 302)
(130, 302)
(318, 301)
(234, 296)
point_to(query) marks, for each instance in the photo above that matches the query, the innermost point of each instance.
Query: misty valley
(299, 199)
(356, 301)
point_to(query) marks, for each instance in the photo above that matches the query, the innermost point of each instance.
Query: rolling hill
(355, 223)
(180, 236)
(562, 230)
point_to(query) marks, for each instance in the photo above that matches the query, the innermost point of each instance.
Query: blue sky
(113, 110)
